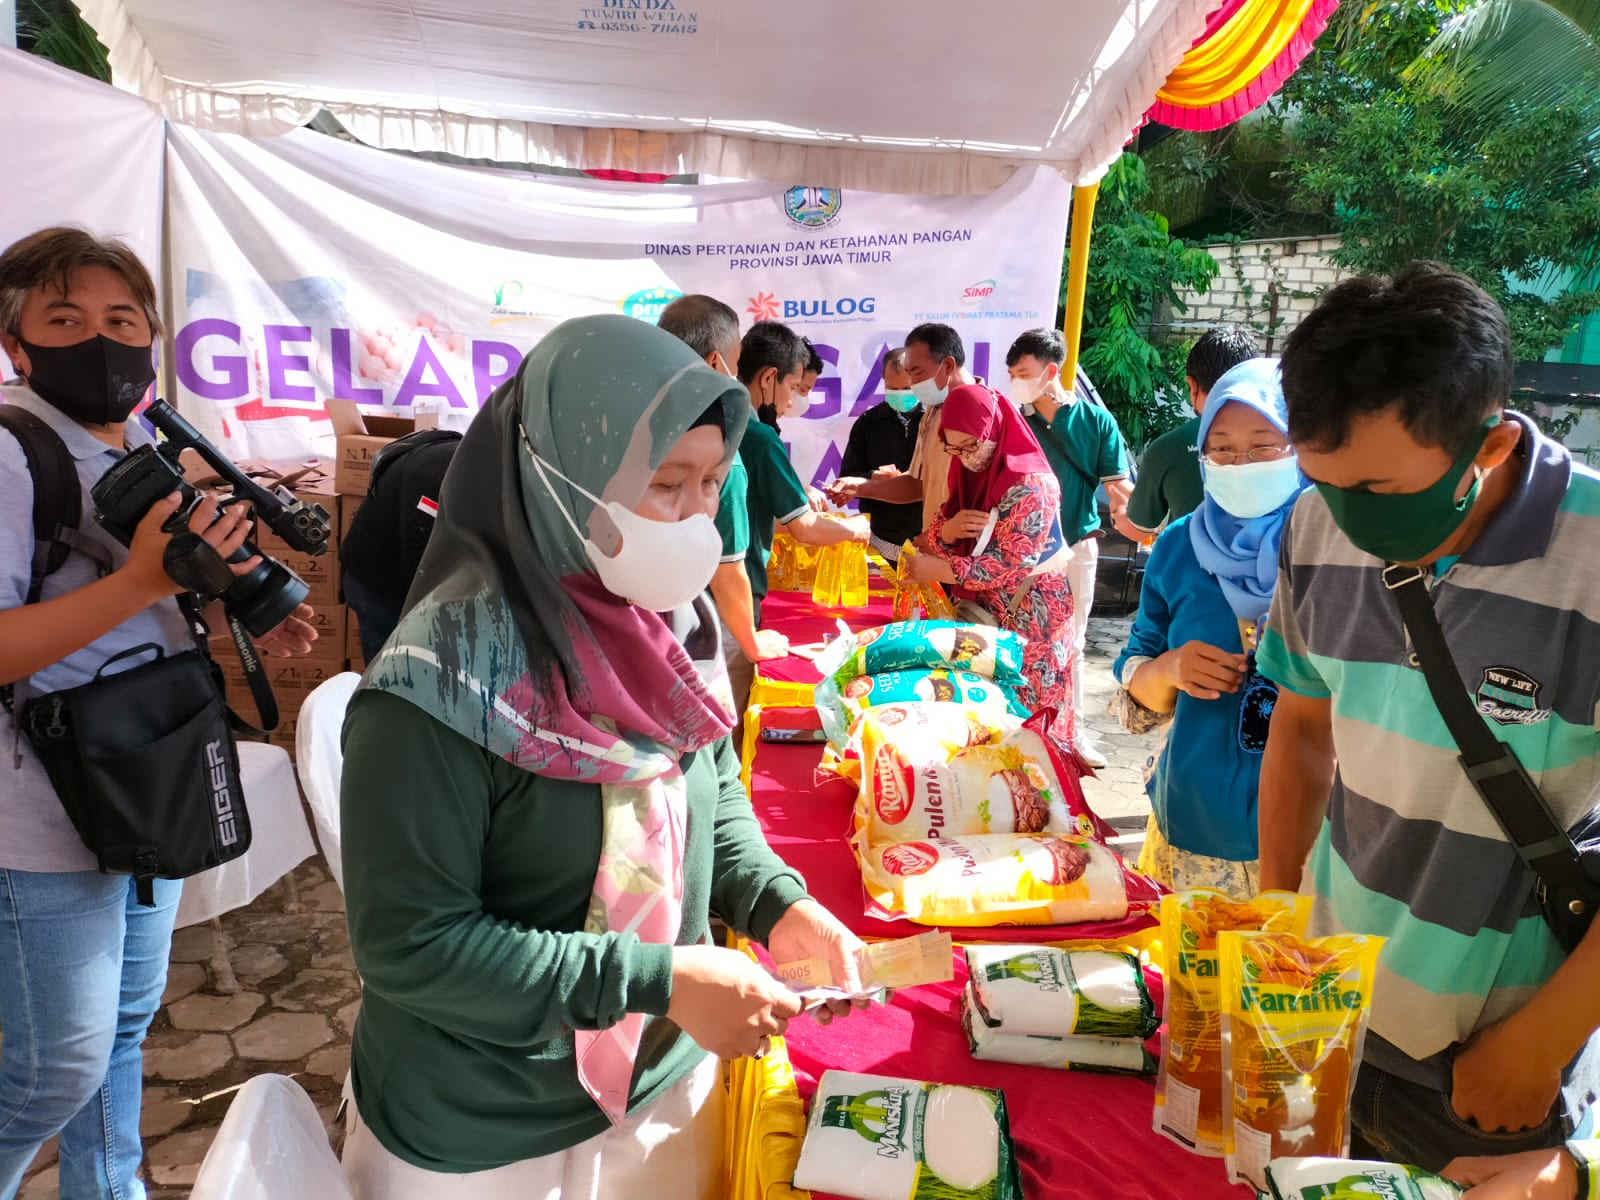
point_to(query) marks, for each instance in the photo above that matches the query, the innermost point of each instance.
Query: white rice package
(999, 879)
(874, 1137)
(1114, 1056)
(1039, 991)
(1347, 1179)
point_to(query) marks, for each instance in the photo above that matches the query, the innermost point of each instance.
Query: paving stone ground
(298, 993)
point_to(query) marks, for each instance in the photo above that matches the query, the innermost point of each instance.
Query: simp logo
(221, 794)
(647, 305)
(978, 292)
(763, 306)
(812, 207)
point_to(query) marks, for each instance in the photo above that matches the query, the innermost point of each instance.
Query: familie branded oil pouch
(1189, 1088)
(841, 705)
(904, 645)
(1294, 1021)
(940, 770)
(995, 879)
(1040, 991)
(1346, 1179)
(874, 1137)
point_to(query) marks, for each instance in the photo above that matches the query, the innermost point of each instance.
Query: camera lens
(265, 596)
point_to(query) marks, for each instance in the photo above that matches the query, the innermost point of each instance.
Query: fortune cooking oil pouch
(841, 705)
(937, 770)
(1344, 1179)
(1189, 1089)
(878, 1138)
(1040, 991)
(1000, 879)
(1294, 1020)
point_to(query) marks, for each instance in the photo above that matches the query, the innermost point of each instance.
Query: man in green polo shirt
(1169, 473)
(1085, 448)
(711, 329)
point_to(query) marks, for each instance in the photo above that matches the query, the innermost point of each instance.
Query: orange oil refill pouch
(1189, 1086)
(1294, 1021)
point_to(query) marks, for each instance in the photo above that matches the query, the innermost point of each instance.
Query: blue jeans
(82, 969)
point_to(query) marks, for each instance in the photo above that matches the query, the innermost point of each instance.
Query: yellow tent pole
(1083, 199)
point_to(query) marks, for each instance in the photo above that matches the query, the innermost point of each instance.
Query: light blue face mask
(900, 401)
(1253, 489)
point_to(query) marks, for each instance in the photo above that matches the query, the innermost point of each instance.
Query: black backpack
(381, 551)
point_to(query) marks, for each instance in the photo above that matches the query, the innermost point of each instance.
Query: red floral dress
(1021, 535)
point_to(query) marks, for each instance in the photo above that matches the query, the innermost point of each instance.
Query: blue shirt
(1204, 787)
(35, 834)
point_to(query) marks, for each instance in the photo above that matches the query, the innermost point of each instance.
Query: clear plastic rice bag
(1346, 1179)
(874, 1137)
(1040, 991)
(903, 645)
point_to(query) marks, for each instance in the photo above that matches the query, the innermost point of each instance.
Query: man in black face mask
(77, 320)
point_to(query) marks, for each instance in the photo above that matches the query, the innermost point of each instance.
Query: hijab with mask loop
(1241, 553)
(509, 638)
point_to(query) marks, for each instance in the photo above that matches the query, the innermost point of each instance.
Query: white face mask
(798, 406)
(1253, 489)
(660, 564)
(929, 392)
(1025, 391)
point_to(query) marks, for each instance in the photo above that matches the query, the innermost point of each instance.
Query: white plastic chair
(272, 1146)
(320, 760)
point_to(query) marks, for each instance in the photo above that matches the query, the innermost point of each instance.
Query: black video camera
(269, 592)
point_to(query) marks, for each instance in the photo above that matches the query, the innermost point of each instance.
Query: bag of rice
(993, 653)
(1039, 991)
(873, 1137)
(927, 773)
(841, 705)
(1347, 1179)
(1189, 1093)
(1113, 1056)
(1294, 1021)
(1000, 879)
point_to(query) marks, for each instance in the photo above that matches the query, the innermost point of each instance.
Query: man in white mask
(1086, 450)
(935, 361)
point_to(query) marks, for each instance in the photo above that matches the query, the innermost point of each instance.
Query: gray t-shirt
(35, 834)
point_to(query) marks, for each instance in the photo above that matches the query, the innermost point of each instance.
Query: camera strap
(255, 673)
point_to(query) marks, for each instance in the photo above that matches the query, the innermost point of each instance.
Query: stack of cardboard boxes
(339, 488)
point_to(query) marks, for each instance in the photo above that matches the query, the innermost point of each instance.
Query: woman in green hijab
(541, 805)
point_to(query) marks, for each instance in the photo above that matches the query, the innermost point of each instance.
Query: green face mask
(901, 402)
(1405, 527)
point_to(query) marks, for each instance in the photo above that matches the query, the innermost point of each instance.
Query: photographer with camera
(83, 952)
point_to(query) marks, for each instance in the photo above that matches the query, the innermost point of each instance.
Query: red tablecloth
(1079, 1135)
(803, 622)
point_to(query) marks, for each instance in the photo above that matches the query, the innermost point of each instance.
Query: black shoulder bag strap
(1567, 894)
(57, 494)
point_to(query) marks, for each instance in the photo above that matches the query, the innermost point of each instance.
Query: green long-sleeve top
(467, 882)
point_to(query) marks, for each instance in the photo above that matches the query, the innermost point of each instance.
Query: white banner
(77, 152)
(305, 267)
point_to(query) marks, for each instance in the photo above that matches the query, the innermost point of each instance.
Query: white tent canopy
(933, 96)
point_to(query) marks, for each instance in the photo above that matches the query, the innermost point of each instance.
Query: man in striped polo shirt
(1396, 393)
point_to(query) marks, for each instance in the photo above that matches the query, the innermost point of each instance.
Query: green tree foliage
(54, 29)
(1135, 267)
(1506, 192)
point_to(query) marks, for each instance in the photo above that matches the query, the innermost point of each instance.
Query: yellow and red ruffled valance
(1248, 49)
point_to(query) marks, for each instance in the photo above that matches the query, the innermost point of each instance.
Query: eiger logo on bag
(1510, 697)
(221, 793)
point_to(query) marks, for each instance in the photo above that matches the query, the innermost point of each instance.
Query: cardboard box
(359, 439)
(292, 680)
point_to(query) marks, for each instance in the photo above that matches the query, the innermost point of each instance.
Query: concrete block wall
(1266, 286)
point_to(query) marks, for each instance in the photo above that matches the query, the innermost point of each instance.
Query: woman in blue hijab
(1190, 659)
